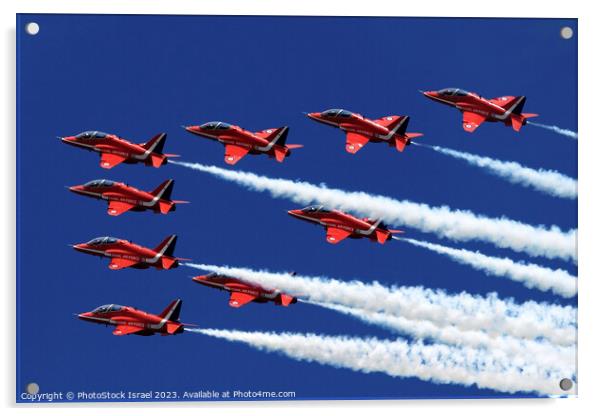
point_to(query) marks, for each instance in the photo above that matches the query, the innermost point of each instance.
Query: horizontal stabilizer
(382, 236)
(157, 160)
(520, 120)
(287, 299)
(168, 262)
(413, 135)
(400, 143)
(166, 206)
(173, 328)
(280, 153)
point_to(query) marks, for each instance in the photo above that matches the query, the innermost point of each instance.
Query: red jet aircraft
(340, 225)
(123, 198)
(361, 130)
(476, 109)
(115, 150)
(124, 253)
(129, 320)
(240, 142)
(242, 292)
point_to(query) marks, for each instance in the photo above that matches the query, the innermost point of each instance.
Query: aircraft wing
(118, 208)
(335, 235)
(471, 121)
(234, 153)
(109, 160)
(126, 330)
(118, 263)
(355, 142)
(502, 101)
(238, 299)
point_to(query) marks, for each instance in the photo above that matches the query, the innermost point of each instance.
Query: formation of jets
(238, 143)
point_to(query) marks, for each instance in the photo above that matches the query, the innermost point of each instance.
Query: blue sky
(139, 75)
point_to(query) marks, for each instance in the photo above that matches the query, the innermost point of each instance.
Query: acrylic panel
(295, 208)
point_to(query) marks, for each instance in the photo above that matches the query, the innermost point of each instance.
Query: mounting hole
(32, 28)
(566, 384)
(566, 33)
(32, 388)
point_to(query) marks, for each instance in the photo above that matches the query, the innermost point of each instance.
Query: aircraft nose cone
(429, 94)
(67, 139)
(84, 315)
(79, 247)
(294, 212)
(204, 280)
(313, 115)
(76, 188)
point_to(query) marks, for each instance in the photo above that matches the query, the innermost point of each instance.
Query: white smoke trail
(531, 275)
(544, 354)
(467, 312)
(435, 363)
(547, 181)
(556, 129)
(453, 224)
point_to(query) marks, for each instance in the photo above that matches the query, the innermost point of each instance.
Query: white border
(590, 202)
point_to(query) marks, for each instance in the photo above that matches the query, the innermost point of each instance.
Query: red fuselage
(361, 130)
(115, 150)
(242, 292)
(340, 225)
(129, 320)
(122, 197)
(124, 253)
(240, 142)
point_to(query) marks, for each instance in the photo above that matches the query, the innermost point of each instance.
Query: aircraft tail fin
(167, 246)
(172, 312)
(403, 125)
(278, 136)
(515, 105)
(165, 207)
(163, 191)
(155, 145)
(280, 153)
(157, 160)
(382, 235)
